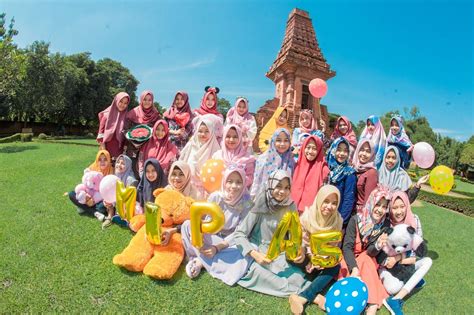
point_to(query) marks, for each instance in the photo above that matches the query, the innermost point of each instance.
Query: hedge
(464, 206)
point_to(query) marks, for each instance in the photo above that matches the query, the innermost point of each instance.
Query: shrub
(464, 206)
(90, 135)
(42, 136)
(26, 137)
(14, 138)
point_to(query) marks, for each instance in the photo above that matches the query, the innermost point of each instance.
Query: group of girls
(359, 187)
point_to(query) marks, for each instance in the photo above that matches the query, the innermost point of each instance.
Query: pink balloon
(107, 188)
(423, 154)
(318, 88)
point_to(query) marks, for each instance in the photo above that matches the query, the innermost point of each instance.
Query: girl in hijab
(321, 216)
(311, 172)
(392, 175)
(153, 178)
(111, 125)
(363, 241)
(179, 179)
(278, 156)
(343, 128)
(209, 103)
(366, 172)
(342, 176)
(234, 152)
(200, 148)
(219, 254)
(254, 234)
(277, 121)
(239, 115)
(399, 138)
(145, 113)
(179, 117)
(374, 131)
(159, 147)
(307, 126)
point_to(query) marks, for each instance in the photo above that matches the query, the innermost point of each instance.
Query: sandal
(193, 268)
(107, 222)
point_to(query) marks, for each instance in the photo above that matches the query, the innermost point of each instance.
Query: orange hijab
(95, 166)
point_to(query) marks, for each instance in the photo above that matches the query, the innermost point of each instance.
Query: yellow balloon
(153, 223)
(198, 227)
(325, 255)
(211, 174)
(125, 201)
(290, 222)
(441, 179)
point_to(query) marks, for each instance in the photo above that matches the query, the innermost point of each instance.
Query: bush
(26, 137)
(464, 206)
(16, 137)
(42, 136)
(90, 135)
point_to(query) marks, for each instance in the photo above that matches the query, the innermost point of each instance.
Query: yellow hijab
(313, 221)
(270, 127)
(95, 166)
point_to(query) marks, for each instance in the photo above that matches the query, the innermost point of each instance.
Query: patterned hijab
(338, 171)
(127, 177)
(401, 137)
(308, 114)
(145, 187)
(378, 138)
(234, 118)
(140, 115)
(396, 178)
(362, 167)
(365, 221)
(350, 135)
(409, 216)
(184, 114)
(96, 167)
(265, 202)
(114, 119)
(312, 219)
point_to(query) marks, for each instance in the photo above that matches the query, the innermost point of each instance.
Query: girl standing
(399, 138)
(367, 176)
(374, 131)
(179, 117)
(209, 103)
(239, 115)
(343, 128)
(307, 126)
(145, 113)
(278, 120)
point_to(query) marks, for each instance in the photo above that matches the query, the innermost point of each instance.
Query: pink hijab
(115, 119)
(234, 118)
(184, 114)
(349, 135)
(139, 115)
(233, 201)
(360, 167)
(409, 217)
(162, 150)
(206, 110)
(307, 112)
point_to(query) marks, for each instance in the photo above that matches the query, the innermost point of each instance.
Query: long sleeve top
(348, 189)
(366, 182)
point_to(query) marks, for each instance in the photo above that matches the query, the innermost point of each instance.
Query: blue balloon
(347, 296)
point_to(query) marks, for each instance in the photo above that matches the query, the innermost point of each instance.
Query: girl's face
(364, 153)
(147, 101)
(329, 205)
(160, 131)
(311, 151)
(177, 178)
(103, 162)
(203, 134)
(342, 152)
(179, 101)
(390, 160)
(150, 173)
(231, 139)
(282, 143)
(342, 126)
(233, 185)
(122, 105)
(241, 108)
(399, 210)
(120, 166)
(210, 101)
(282, 190)
(282, 118)
(379, 210)
(394, 127)
(306, 121)
(370, 127)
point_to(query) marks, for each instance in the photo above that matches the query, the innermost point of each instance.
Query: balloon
(107, 188)
(347, 296)
(324, 255)
(289, 222)
(423, 154)
(318, 88)
(198, 227)
(441, 179)
(211, 174)
(153, 223)
(126, 198)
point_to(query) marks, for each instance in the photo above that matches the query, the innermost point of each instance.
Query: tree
(223, 106)
(467, 153)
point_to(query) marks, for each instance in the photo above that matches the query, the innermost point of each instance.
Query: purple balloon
(107, 188)
(423, 154)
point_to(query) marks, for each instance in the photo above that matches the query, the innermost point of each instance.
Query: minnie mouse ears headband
(215, 89)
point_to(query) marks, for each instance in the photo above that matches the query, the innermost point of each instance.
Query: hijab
(378, 138)
(240, 154)
(140, 115)
(232, 201)
(269, 129)
(265, 203)
(145, 187)
(362, 167)
(409, 216)
(183, 115)
(309, 114)
(203, 109)
(401, 137)
(114, 123)
(365, 222)
(127, 177)
(187, 188)
(163, 150)
(350, 135)
(338, 171)
(396, 178)
(96, 167)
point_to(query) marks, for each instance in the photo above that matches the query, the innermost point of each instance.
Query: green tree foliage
(223, 106)
(467, 153)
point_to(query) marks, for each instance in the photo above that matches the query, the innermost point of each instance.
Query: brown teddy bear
(157, 261)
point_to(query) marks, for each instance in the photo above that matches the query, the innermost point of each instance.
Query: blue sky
(387, 54)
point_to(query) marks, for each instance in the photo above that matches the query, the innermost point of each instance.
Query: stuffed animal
(402, 238)
(157, 261)
(89, 186)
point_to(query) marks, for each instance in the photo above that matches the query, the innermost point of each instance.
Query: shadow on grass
(16, 149)
(432, 254)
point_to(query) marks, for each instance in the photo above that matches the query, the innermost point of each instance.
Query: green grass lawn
(463, 187)
(53, 260)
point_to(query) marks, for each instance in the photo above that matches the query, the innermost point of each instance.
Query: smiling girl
(367, 176)
(374, 131)
(179, 117)
(278, 120)
(239, 115)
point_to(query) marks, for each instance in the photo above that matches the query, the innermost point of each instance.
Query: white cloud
(192, 65)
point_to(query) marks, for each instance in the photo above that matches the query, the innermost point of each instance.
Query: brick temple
(298, 62)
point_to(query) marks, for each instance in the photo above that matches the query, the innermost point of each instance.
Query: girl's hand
(410, 148)
(102, 146)
(179, 132)
(165, 237)
(300, 257)
(391, 261)
(209, 252)
(422, 180)
(108, 205)
(89, 201)
(260, 258)
(382, 241)
(323, 125)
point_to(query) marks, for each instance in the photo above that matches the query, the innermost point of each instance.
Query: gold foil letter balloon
(290, 222)
(325, 255)
(153, 223)
(198, 227)
(125, 200)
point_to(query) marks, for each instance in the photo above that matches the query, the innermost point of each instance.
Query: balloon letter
(198, 227)
(290, 222)
(125, 200)
(153, 223)
(324, 255)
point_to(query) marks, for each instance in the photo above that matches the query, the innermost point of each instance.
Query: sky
(388, 54)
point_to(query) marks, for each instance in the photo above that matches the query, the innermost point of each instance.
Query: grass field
(53, 260)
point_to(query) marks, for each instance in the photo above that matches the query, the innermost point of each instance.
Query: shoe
(99, 216)
(420, 284)
(80, 210)
(394, 306)
(107, 222)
